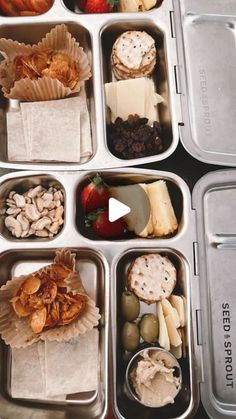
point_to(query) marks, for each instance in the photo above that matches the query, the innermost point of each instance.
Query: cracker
(146, 59)
(147, 67)
(152, 278)
(120, 75)
(131, 47)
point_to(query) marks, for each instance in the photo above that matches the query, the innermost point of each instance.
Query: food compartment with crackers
(151, 317)
(137, 97)
(157, 203)
(56, 73)
(54, 320)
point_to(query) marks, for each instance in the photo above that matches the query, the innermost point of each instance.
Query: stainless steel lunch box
(195, 39)
(202, 251)
(197, 80)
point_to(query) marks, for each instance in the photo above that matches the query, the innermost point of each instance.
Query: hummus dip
(154, 378)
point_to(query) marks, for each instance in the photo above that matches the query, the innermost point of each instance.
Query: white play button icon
(117, 209)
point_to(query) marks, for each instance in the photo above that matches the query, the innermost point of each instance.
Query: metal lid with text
(207, 77)
(214, 199)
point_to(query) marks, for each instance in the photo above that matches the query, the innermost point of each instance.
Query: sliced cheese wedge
(163, 217)
(163, 338)
(110, 93)
(149, 226)
(177, 350)
(178, 303)
(169, 310)
(152, 99)
(148, 4)
(133, 96)
(138, 220)
(129, 5)
(173, 334)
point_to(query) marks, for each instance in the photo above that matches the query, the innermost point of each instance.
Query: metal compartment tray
(192, 76)
(94, 33)
(203, 253)
(35, 252)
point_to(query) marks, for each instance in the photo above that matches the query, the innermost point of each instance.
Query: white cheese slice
(163, 338)
(129, 5)
(111, 98)
(163, 216)
(152, 99)
(169, 310)
(131, 97)
(148, 4)
(175, 339)
(178, 303)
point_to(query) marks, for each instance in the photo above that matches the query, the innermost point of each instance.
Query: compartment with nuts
(152, 295)
(138, 111)
(157, 206)
(32, 207)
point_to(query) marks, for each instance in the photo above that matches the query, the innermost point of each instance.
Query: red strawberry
(101, 225)
(95, 194)
(99, 6)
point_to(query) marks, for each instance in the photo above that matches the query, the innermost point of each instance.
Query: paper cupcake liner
(17, 332)
(44, 88)
(65, 257)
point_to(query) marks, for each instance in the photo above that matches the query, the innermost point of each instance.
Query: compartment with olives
(151, 317)
(151, 282)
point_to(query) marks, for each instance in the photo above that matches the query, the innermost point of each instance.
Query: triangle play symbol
(117, 209)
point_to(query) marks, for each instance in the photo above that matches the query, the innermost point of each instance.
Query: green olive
(130, 336)
(130, 306)
(149, 328)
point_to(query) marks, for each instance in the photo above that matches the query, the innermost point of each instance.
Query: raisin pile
(133, 138)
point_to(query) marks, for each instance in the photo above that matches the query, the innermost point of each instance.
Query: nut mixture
(134, 138)
(37, 212)
(44, 299)
(47, 63)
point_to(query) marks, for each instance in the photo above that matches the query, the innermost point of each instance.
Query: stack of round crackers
(152, 278)
(133, 55)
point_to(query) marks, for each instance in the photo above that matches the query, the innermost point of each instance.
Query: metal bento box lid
(206, 76)
(214, 199)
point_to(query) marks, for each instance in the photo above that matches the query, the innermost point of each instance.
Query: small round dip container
(153, 377)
